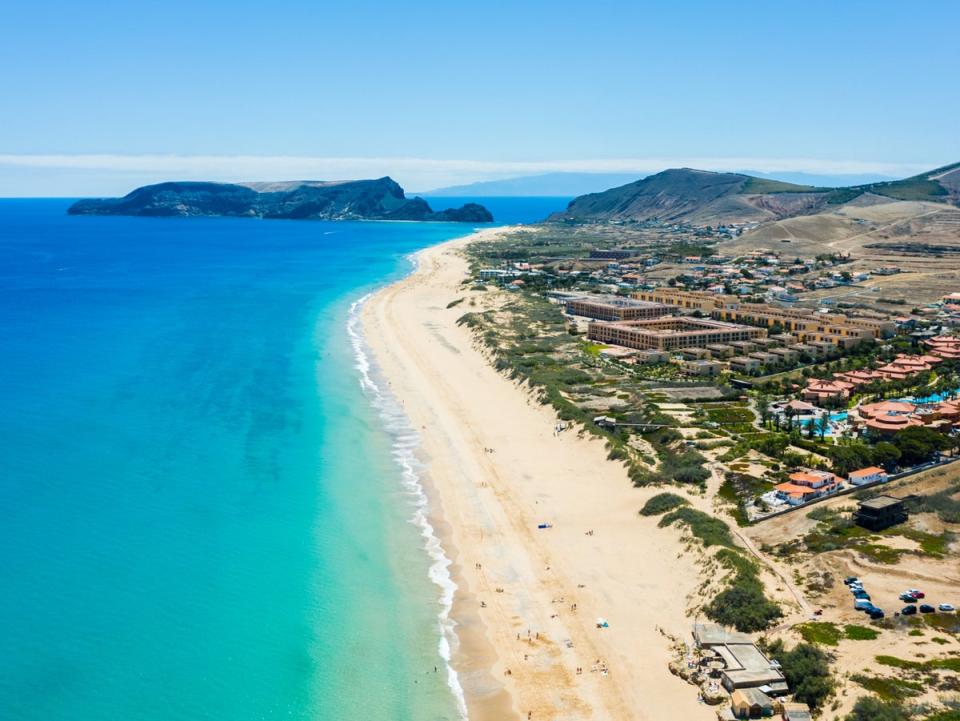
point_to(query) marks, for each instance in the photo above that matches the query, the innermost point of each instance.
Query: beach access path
(495, 470)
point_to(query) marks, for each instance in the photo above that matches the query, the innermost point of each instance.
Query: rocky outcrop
(381, 199)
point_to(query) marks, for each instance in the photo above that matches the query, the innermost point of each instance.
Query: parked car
(909, 610)
(947, 607)
(876, 613)
(906, 597)
(926, 608)
(916, 594)
(851, 579)
(862, 604)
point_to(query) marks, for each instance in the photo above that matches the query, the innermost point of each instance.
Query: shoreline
(526, 600)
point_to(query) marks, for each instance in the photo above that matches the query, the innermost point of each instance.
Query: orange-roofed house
(872, 474)
(859, 378)
(795, 495)
(814, 479)
(944, 346)
(818, 390)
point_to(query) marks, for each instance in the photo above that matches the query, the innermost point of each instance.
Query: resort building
(702, 367)
(859, 378)
(686, 299)
(820, 390)
(905, 366)
(874, 474)
(886, 417)
(744, 364)
(743, 346)
(806, 325)
(945, 347)
(614, 253)
(670, 333)
(612, 307)
(718, 350)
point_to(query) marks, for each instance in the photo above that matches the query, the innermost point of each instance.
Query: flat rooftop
(614, 301)
(881, 502)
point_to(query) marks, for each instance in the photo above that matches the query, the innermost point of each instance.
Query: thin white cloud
(84, 174)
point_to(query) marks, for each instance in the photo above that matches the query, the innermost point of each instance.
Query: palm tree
(823, 424)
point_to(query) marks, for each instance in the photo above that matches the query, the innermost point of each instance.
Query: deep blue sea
(207, 508)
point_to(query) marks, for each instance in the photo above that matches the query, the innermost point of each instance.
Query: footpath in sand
(529, 598)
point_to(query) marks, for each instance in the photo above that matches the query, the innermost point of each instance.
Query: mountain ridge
(701, 196)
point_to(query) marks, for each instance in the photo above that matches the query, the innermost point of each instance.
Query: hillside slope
(703, 197)
(381, 199)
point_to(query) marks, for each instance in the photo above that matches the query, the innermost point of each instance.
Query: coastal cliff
(381, 199)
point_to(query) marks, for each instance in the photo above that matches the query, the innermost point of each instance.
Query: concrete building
(881, 512)
(744, 364)
(786, 355)
(806, 325)
(706, 368)
(651, 357)
(718, 350)
(614, 253)
(686, 299)
(745, 665)
(671, 333)
(612, 308)
(743, 346)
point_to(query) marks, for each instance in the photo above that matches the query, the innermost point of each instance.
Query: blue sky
(95, 97)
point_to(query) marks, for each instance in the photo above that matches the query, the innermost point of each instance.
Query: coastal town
(825, 430)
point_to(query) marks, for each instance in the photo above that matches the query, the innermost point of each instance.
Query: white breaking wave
(405, 442)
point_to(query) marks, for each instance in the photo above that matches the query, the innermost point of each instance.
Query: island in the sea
(380, 199)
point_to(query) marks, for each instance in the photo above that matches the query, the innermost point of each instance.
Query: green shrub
(888, 689)
(742, 604)
(807, 671)
(826, 634)
(661, 503)
(871, 709)
(712, 531)
(860, 633)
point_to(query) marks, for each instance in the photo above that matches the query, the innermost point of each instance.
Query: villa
(806, 485)
(872, 474)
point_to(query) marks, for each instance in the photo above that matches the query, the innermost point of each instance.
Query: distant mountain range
(704, 197)
(381, 199)
(569, 185)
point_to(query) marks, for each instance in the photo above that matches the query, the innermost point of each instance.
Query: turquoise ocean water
(207, 508)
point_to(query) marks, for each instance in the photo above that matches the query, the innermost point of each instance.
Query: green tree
(823, 424)
(918, 443)
(886, 454)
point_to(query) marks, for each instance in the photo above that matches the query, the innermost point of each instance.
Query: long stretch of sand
(487, 505)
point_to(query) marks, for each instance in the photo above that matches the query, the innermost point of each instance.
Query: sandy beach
(529, 598)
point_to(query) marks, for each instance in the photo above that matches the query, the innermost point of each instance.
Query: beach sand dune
(495, 471)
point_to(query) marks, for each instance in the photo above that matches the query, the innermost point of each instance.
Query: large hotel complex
(652, 321)
(806, 325)
(671, 333)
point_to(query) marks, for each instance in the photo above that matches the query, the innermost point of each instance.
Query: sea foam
(405, 441)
